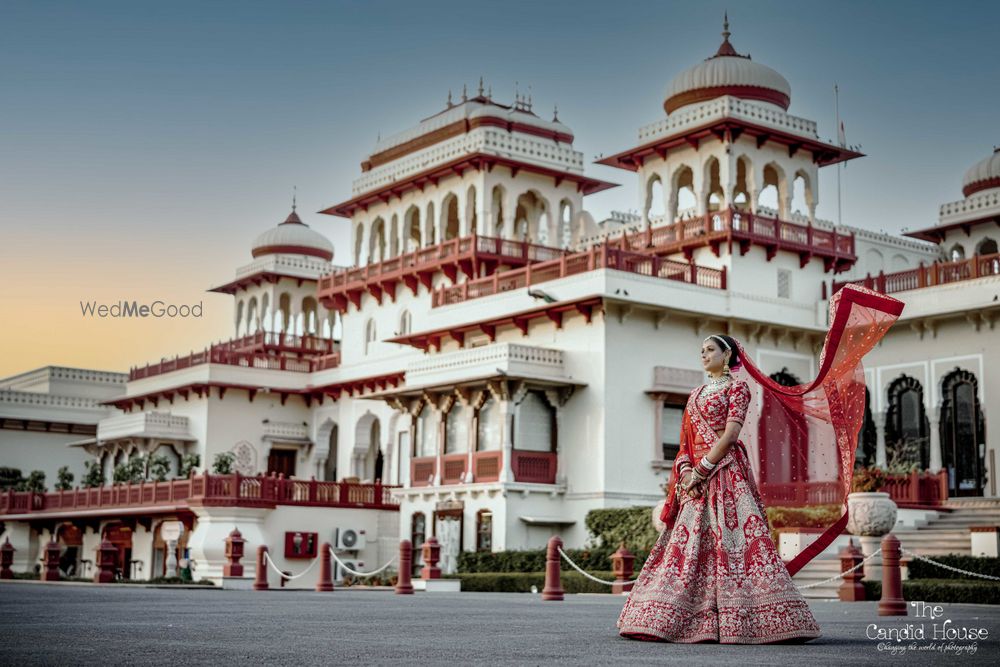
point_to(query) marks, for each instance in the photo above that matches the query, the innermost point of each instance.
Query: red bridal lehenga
(715, 574)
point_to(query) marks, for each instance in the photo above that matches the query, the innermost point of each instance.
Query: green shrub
(65, 479)
(919, 569)
(223, 464)
(34, 482)
(521, 582)
(93, 478)
(815, 516)
(632, 526)
(188, 463)
(132, 471)
(534, 560)
(159, 467)
(955, 591)
(9, 478)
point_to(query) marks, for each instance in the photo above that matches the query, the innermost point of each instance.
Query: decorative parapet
(972, 207)
(286, 430)
(40, 400)
(677, 380)
(512, 358)
(306, 267)
(728, 107)
(159, 425)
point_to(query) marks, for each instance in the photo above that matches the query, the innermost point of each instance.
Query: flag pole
(836, 102)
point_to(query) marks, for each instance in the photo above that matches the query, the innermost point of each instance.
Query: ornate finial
(450, 104)
(480, 94)
(489, 92)
(726, 49)
(725, 26)
(555, 114)
(465, 94)
(295, 192)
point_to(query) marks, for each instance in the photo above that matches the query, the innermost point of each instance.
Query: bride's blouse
(721, 404)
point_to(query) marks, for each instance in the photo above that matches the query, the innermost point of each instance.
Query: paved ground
(61, 624)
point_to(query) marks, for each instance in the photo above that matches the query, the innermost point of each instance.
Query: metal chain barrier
(587, 574)
(838, 576)
(361, 574)
(948, 567)
(289, 577)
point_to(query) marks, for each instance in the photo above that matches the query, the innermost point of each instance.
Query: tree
(9, 478)
(35, 482)
(159, 467)
(65, 479)
(188, 463)
(223, 463)
(132, 471)
(94, 477)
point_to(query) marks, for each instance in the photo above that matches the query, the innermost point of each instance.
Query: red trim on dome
(461, 126)
(675, 102)
(292, 250)
(456, 168)
(979, 186)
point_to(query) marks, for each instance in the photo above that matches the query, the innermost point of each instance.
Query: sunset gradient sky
(145, 144)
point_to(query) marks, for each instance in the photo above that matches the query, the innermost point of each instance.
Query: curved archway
(906, 425)
(682, 201)
(963, 434)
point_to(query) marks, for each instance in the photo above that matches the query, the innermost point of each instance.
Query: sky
(145, 144)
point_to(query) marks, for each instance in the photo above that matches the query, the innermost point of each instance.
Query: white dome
(293, 237)
(984, 175)
(727, 73)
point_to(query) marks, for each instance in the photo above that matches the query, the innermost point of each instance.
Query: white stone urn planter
(871, 514)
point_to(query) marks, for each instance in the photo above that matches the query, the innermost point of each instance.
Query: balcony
(747, 229)
(269, 351)
(471, 255)
(209, 490)
(158, 425)
(938, 273)
(597, 257)
(916, 489)
(528, 467)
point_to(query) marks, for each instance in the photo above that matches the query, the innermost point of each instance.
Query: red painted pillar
(107, 554)
(260, 577)
(892, 602)
(234, 552)
(325, 583)
(403, 585)
(622, 562)
(432, 554)
(553, 577)
(6, 560)
(852, 590)
(50, 570)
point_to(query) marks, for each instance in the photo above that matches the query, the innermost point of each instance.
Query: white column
(935, 439)
(507, 437)
(880, 458)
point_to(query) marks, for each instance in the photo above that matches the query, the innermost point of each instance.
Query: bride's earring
(725, 367)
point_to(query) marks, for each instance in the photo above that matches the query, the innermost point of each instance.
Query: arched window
(956, 253)
(457, 430)
(369, 336)
(868, 437)
(536, 424)
(488, 431)
(404, 323)
(906, 425)
(418, 533)
(484, 530)
(987, 247)
(963, 434)
(330, 469)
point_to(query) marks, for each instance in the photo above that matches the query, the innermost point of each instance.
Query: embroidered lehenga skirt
(717, 575)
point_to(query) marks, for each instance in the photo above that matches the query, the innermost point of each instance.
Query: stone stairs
(946, 534)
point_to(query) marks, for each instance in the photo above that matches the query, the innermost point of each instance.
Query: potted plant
(872, 513)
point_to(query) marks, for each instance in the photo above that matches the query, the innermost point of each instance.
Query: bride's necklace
(715, 385)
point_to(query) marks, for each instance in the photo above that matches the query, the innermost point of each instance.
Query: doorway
(281, 462)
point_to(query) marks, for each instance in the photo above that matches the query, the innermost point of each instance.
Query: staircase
(947, 534)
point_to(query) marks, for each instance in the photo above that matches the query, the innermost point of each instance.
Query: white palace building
(487, 363)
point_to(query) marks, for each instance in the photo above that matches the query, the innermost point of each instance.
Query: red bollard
(50, 570)
(325, 583)
(260, 577)
(107, 555)
(852, 590)
(234, 552)
(553, 576)
(892, 602)
(432, 554)
(622, 562)
(403, 585)
(6, 560)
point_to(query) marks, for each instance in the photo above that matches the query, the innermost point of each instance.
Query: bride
(715, 574)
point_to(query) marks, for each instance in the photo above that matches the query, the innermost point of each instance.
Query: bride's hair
(734, 350)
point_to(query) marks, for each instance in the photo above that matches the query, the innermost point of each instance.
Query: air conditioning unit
(339, 572)
(349, 539)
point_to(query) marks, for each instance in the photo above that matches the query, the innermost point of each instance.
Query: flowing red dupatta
(801, 440)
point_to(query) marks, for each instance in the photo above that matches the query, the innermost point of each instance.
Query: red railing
(536, 467)
(486, 465)
(747, 226)
(276, 340)
(430, 258)
(915, 488)
(597, 257)
(422, 470)
(938, 273)
(221, 355)
(926, 488)
(213, 490)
